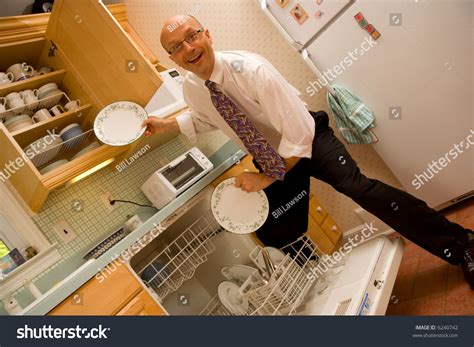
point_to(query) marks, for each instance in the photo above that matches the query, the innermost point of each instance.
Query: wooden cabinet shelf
(26, 135)
(33, 82)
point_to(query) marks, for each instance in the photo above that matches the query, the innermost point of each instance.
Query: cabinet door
(101, 297)
(316, 210)
(331, 229)
(317, 235)
(141, 305)
(98, 49)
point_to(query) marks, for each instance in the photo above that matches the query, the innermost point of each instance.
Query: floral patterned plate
(238, 211)
(119, 124)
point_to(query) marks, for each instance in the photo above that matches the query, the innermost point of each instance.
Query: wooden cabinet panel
(99, 50)
(316, 210)
(318, 236)
(331, 229)
(141, 305)
(101, 298)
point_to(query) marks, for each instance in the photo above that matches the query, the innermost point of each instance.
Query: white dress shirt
(271, 103)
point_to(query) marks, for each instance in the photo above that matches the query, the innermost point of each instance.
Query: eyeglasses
(177, 47)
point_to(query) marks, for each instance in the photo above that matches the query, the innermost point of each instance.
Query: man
(242, 94)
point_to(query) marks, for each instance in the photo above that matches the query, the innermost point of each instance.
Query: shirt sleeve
(286, 111)
(191, 122)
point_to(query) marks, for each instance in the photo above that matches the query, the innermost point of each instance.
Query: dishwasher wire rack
(178, 261)
(284, 292)
(215, 308)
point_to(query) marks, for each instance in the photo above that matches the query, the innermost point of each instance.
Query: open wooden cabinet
(95, 61)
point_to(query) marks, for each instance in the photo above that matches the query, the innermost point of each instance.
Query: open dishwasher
(187, 267)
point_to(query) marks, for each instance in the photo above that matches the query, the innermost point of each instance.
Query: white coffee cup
(72, 105)
(41, 115)
(57, 110)
(14, 100)
(45, 69)
(29, 95)
(6, 78)
(21, 71)
(3, 104)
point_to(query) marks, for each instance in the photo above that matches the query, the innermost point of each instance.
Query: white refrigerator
(417, 77)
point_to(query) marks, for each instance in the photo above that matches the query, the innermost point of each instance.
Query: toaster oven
(174, 178)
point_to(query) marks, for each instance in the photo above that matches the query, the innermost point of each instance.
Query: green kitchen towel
(353, 118)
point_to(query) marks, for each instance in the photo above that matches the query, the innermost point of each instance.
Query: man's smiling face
(197, 56)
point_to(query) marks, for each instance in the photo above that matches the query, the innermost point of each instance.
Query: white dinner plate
(238, 211)
(119, 124)
(232, 300)
(237, 274)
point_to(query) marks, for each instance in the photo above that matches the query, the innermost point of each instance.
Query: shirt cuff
(186, 126)
(287, 150)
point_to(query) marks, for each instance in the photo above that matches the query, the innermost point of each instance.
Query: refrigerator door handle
(295, 44)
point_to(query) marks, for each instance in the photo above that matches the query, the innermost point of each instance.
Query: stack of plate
(71, 135)
(18, 122)
(87, 149)
(44, 149)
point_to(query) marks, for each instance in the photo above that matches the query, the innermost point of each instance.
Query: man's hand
(252, 181)
(157, 125)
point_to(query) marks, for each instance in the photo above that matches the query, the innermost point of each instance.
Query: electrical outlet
(105, 197)
(65, 231)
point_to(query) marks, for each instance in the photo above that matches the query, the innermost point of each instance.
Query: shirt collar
(217, 75)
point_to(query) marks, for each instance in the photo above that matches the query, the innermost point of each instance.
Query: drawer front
(101, 298)
(316, 210)
(331, 229)
(318, 236)
(141, 305)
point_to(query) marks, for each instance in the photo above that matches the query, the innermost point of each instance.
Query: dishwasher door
(363, 286)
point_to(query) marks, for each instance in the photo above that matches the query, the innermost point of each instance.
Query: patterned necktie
(269, 160)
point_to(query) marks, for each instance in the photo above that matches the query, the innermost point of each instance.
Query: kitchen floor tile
(426, 306)
(460, 297)
(429, 261)
(425, 284)
(467, 223)
(411, 249)
(467, 209)
(432, 281)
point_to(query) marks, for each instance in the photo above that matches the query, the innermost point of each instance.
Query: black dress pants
(332, 163)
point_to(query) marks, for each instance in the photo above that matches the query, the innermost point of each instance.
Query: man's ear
(208, 34)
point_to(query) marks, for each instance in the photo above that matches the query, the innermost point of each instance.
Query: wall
(240, 25)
